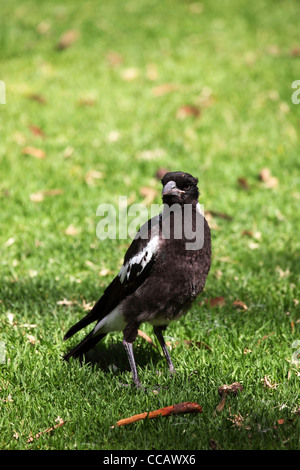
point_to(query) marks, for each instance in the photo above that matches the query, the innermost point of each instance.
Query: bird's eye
(187, 187)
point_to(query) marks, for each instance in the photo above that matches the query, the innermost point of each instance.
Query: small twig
(179, 408)
(39, 434)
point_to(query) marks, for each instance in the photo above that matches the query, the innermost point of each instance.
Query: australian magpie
(164, 270)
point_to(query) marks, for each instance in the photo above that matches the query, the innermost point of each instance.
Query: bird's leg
(158, 332)
(129, 351)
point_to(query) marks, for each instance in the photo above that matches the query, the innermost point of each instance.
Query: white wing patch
(113, 321)
(141, 259)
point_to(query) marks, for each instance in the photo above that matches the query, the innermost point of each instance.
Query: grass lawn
(93, 115)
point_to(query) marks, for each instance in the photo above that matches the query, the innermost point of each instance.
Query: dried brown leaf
(187, 111)
(295, 51)
(36, 131)
(67, 39)
(143, 335)
(239, 303)
(40, 195)
(243, 183)
(266, 177)
(93, 175)
(65, 302)
(221, 215)
(268, 384)
(114, 58)
(87, 102)
(149, 194)
(37, 97)
(160, 173)
(197, 344)
(34, 152)
(163, 89)
(130, 74)
(234, 388)
(216, 302)
(31, 339)
(105, 272)
(151, 154)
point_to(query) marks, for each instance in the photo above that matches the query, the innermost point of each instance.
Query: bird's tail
(81, 348)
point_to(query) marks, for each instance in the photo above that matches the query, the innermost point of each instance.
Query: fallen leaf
(243, 183)
(265, 337)
(67, 39)
(295, 51)
(179, 408)
(149, 194)
(247, 233)
(238, 421)
(253, 245)
(196, 8)
(114, 58)
(130, 74)
(31, 339)
(87, 306)
(152, 72)
(40, 195)
(266, 177)
(163, 89)
(105, 272)
(10, 318)
(214, 445)
(65, 302)
(282, 274)
(113, 136)
(239, 303)
(33, 272)
(93, 175)
(160, 173)
(87, 102)
(37, 197)
(37, 97)
(198, 344)
(34, 152)
(151, 154)
(234, 388)
(216, 302)
(36, 131)
(68, 152)
(43, 27)
(268, 384)
(146, 338)
(187, 111)
(225, 390)
(222, 215)
(9, 242)
(90, 264)
(273, 49)
(221, 405)
(247, 351)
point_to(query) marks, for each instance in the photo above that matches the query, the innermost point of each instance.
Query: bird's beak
(171, 189)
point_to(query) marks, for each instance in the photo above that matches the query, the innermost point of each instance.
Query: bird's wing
(137, 265)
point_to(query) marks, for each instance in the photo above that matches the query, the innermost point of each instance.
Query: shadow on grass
(110, 355)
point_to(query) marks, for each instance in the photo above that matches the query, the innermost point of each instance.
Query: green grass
(236, 61)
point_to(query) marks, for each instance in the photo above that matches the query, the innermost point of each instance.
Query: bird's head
(179, 188)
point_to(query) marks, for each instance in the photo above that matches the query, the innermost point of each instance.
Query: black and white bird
(164, 270)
